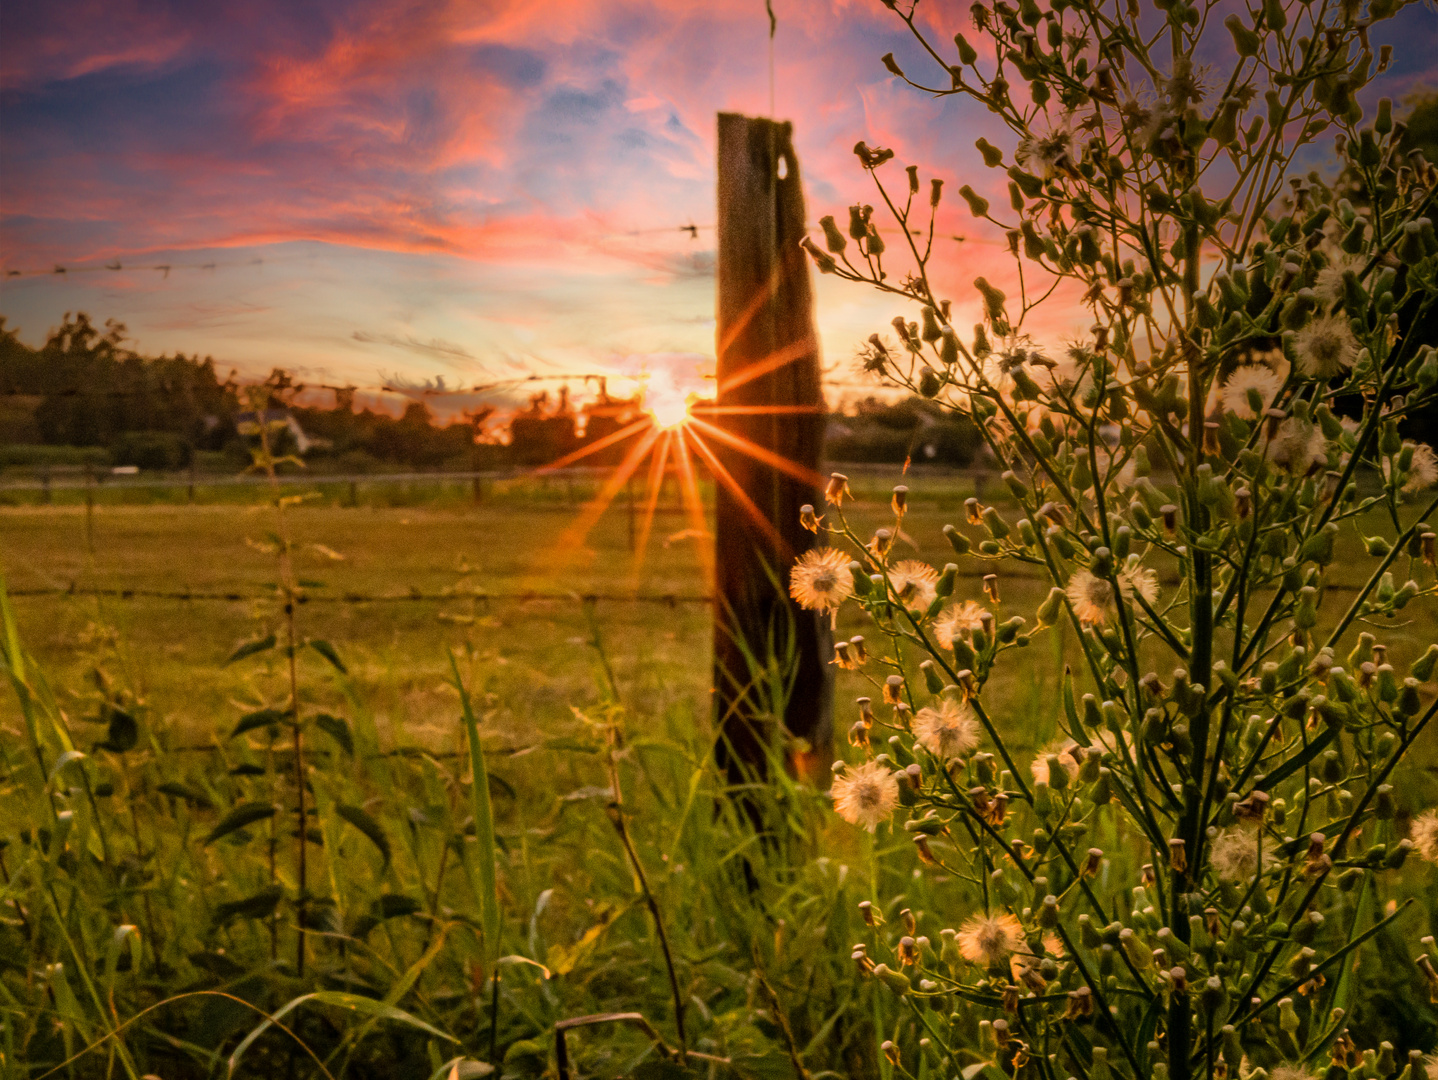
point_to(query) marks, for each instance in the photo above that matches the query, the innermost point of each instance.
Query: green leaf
(325, 649)
(395, 906)
(461, 1068)
(483, 820)
(367, 825)
(388, 906)
(1293, 764)
(259, 906)
(259, 719)
(123, 734)
(193, 796)
(250, 648)
(339, 1000)
(239, 817)
(123, 936)
(338, 729)
(65, 759)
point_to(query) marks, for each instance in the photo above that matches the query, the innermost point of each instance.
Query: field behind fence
(154, 592)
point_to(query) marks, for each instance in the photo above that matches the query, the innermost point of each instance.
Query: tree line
(85, 390)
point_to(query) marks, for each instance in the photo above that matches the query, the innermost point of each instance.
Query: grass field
(398, 646)
(758, 928)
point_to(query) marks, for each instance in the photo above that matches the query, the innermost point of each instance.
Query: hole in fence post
(767, 359)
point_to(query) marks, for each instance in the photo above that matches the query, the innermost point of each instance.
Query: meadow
(571, 695)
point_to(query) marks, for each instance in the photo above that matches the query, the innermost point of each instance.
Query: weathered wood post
(768, 359)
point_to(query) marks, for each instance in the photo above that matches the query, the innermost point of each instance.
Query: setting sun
(668, 412)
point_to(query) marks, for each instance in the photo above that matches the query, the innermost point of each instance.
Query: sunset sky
(365, 189)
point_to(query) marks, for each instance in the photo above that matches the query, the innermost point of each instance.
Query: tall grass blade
(483, 822)
(340, 1000)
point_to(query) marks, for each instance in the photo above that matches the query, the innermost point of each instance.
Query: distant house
(249, 423)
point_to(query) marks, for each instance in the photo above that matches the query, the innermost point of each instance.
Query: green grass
(392, 814)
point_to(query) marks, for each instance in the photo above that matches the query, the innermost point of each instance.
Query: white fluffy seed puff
(865, 795)
(949, 731)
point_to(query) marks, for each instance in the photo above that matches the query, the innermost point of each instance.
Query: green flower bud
(931, 331)
(949, 350)
(1028, 183)
(1398, 854)
(993, 299)
(949, 953)
(1245, 41)
(1384, 124)
(1214, 996)
(1408, 700)
(929, 382)
(1306, 929)
(996, 525)
(895, 981)
(1049, 912)
(957, 540)
(863, 585)
(968, 56)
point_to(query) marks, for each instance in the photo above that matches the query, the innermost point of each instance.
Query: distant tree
(894, 431)
(93, 389)
(1421, 123)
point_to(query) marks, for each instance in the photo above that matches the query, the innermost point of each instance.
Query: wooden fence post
(768, 356)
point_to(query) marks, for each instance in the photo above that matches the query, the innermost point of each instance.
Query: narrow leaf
(259, 906)
(63, 760)
(339, 1000)
(395, 905)
(338, 729)
(123, 733)
(483, 820)
(367, 825)
(1293, 764)
(259, 719)
(239, 817)
(192, 795)
(461, 1068)
(325, 649)
(250, 648)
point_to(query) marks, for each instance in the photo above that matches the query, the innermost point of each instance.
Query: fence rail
(73, 478)
(413, 596)
(72, 481)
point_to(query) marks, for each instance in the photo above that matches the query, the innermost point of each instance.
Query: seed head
(958, 621)
(948, 731)
(866, 795)
(990, 940)
(820, 580)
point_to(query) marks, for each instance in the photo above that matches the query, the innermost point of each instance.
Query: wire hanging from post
(773, 26)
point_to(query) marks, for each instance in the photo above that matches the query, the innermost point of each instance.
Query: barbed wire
(671, 600)
(66, 268)
(413, 596)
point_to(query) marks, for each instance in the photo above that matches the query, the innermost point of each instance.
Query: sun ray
(758, 453)
(694, 506)
(571, 541)
(773, 362)
(746, 316)
(754, 410)
(726, 478)
(657, 464)
(598, 444)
